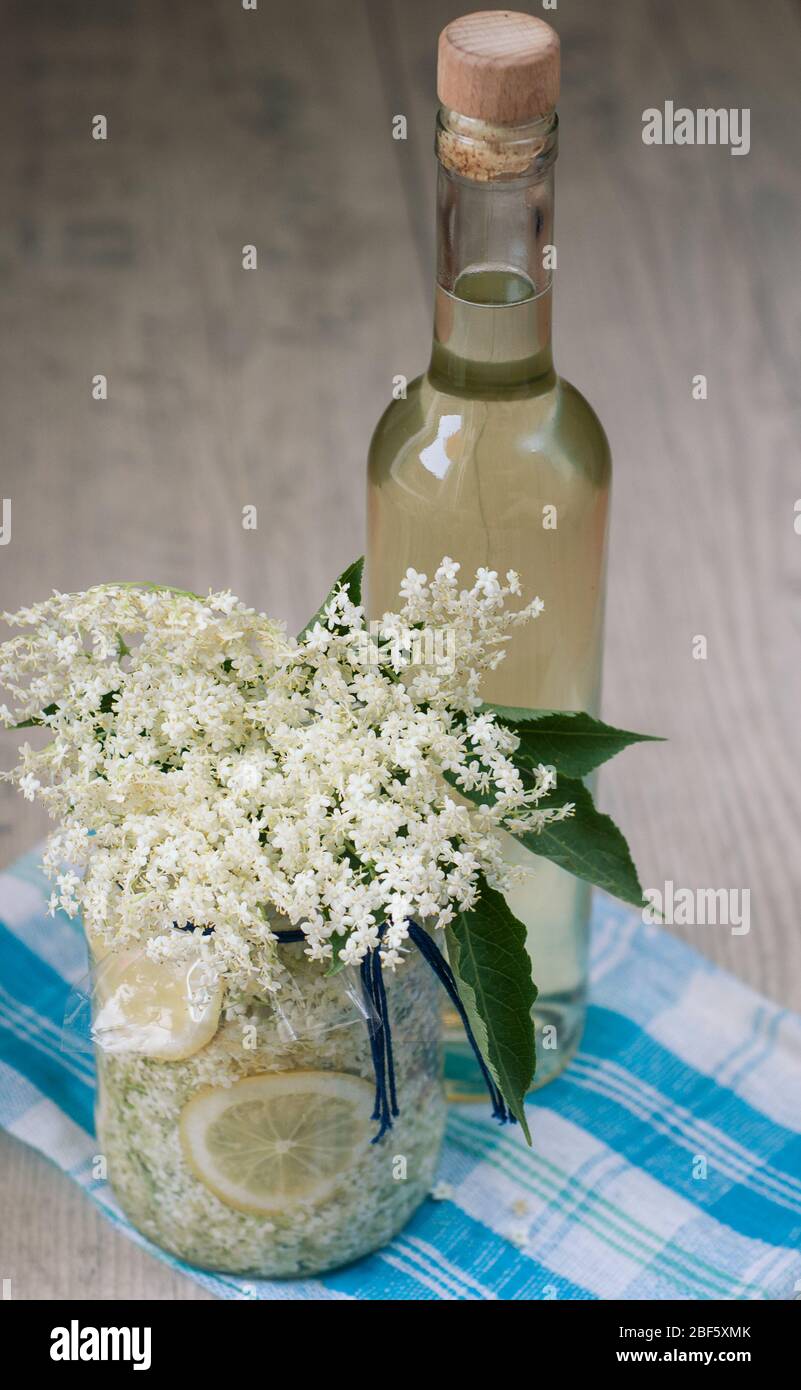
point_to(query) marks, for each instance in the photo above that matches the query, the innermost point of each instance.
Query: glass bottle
(496, 461)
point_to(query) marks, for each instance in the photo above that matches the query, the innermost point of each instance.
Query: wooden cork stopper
(499, 66)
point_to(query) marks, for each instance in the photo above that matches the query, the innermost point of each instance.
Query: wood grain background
(229, 388)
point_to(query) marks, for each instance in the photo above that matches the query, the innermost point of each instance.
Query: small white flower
(487, 583)
(29, 786)
(413, 584)
(447, 571)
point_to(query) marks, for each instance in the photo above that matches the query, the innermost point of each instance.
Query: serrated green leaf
(350, 579)
(588, 844)
(571, 741)
(488, 956)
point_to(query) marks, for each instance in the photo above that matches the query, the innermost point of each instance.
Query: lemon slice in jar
(273, 1141)
(166, 1011)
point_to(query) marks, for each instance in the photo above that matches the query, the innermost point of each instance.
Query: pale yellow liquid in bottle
(493, 460)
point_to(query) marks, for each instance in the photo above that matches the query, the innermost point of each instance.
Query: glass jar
(240, 1139)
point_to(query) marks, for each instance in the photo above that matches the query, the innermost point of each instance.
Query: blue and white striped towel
(666, 1161)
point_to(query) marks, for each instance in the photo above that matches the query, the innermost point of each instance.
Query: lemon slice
(166, 1011)
(273, 1141)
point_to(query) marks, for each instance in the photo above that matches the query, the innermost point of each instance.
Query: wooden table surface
(228, 388)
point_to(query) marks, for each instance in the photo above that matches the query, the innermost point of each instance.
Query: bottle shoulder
(576, 401)
(581, 426)
(432, 432)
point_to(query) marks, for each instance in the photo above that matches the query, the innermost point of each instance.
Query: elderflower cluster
(204, 768)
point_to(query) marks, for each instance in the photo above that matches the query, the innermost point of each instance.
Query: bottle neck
(492, 313)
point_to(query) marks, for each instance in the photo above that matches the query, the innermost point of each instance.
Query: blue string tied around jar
(385, 1109)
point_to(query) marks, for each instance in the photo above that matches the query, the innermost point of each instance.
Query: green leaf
(337, 941)
(488, 956)
(572, 742)
(36, 722)
(350, 579)
(588, 844)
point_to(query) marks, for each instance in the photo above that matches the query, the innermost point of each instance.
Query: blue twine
(385, 1108)
(380, 991)
(432, 954)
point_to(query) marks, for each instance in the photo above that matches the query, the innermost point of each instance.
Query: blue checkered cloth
(666, 1160)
